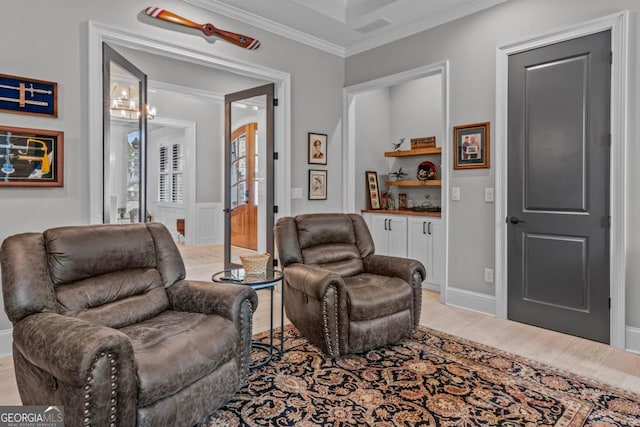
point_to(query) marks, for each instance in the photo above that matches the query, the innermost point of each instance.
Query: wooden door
(244, 210)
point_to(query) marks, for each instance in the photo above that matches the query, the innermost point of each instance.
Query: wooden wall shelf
(414, 183)
(402, 212)
(414, 152)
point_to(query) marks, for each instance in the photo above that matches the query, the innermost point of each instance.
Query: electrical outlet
(488, 194)
(488, 275)
(455, 193)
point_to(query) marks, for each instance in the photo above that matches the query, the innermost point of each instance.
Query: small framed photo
(317, 149)
(471, 146)
(373, 189)
(317, 184)
(28, 96)
(31, 157)
(402, 201)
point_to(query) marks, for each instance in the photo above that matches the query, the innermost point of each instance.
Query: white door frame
(349, 138)
(619, 25)
(99, 33)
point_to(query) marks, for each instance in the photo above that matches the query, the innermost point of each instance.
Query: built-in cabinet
(411, 236)
(389, 234)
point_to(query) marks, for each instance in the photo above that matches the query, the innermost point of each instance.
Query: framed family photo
(31, 157)
(317, 184)
(317, 149)
(471, 146)
(373, 189)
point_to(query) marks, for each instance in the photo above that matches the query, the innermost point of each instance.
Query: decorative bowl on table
(255, 265)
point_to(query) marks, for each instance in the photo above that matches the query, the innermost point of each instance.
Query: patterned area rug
(433, 379)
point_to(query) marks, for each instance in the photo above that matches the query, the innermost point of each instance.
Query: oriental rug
(432, 379)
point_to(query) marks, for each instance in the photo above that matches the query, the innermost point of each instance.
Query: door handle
(515, 220)
(385, 224)
(429, 228)
(423, 230)
(389, 224)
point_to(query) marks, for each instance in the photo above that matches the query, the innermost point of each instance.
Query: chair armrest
(67, 347)
(211, 298)
(313, 280)
(403, 268)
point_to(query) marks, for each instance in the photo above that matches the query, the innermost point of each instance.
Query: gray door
(249, 173)
(558, 197)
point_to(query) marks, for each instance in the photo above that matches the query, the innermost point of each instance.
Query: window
(171, 177)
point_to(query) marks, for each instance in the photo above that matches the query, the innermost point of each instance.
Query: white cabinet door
(397, 232)
(379, 233)
(389, 233)
(426, 244)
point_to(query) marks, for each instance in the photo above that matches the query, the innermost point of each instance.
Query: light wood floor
(577, 355)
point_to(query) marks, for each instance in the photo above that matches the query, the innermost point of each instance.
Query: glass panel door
(124, 138)
(249, 208)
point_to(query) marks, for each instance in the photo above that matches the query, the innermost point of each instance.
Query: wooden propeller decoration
(208, 29)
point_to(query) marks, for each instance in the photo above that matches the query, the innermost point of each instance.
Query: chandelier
(125, 104)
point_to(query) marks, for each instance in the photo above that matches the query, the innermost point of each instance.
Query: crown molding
(420, 25)
(266, 24)
(371, 42)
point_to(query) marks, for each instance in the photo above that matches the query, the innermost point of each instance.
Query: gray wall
(60, 54)
(470, 45)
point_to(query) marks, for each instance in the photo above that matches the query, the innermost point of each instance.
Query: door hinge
(275, 208)
(610, 57)
(609, 303)
(275, 155)
(609, 220)
(275, 262)
(275, 102)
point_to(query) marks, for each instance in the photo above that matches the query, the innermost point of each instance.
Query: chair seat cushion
(372, 296)
(175, 349)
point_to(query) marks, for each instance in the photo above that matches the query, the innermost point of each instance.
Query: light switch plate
(455, 193)
(488, 275)
(488, 195)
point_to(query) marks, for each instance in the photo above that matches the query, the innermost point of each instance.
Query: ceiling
(345, 27)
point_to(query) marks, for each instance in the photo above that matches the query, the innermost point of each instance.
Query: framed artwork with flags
(28, 96)
(31, 157)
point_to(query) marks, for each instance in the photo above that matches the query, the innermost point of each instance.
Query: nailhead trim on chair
(244, 325)
(114, 385)
(327, 333)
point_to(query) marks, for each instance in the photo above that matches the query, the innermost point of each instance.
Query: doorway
(618, 24)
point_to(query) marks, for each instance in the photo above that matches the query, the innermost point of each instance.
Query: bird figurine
(398, 174)
(397, 146)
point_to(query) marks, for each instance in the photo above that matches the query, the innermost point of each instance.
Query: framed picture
(31, 157)
(402, 201)
(317, 184)
(471, 146)
(373, 189)
(28, 96)
(317, 149)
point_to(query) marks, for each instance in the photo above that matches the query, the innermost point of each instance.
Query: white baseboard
(6, 342)
(471, 300)
(632, 339)
(431, 287)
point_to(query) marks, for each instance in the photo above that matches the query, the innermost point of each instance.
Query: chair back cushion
(113, 275)
(337, 242)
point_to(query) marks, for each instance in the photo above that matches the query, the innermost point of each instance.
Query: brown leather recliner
(105, 325)
(338, 293)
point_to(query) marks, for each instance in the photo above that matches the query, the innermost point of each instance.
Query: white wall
(470, 45)
(62, 56)
(372, 130)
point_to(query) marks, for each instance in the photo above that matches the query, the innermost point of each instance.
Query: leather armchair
(105, 325)
(341, 295)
